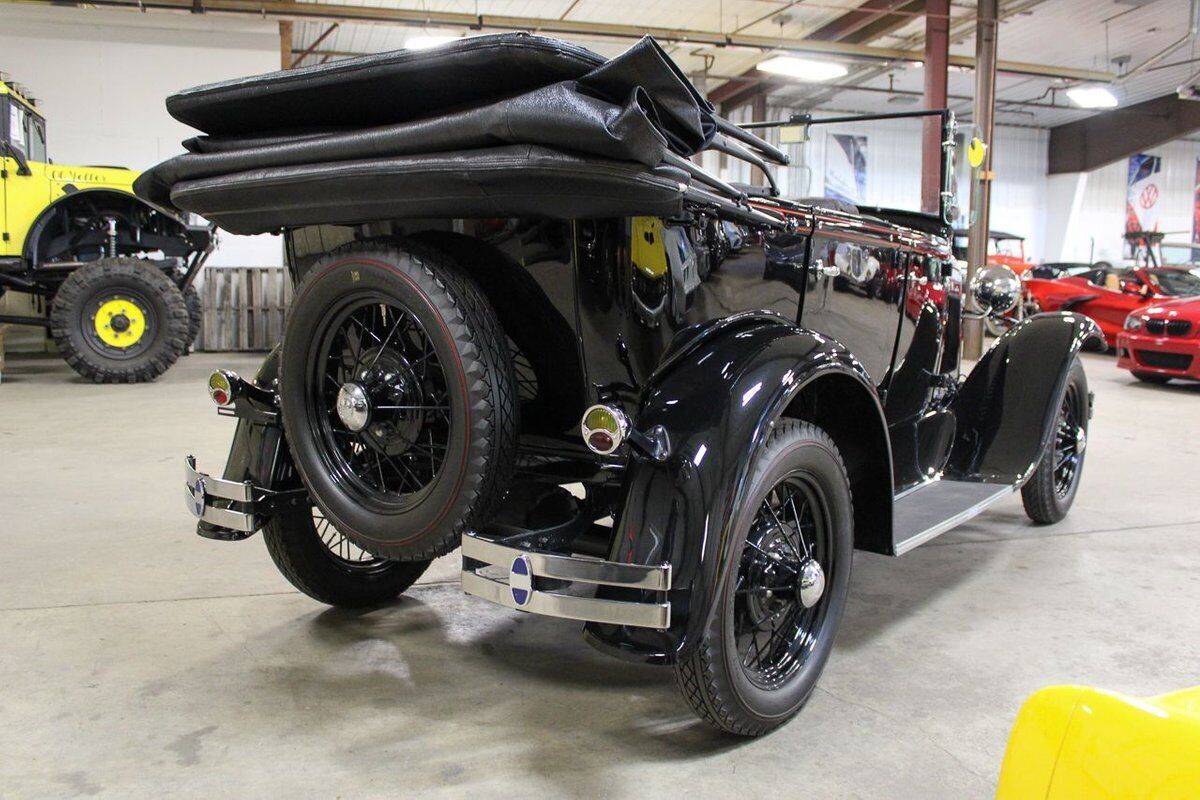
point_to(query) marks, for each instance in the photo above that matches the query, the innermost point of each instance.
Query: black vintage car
(521, 324)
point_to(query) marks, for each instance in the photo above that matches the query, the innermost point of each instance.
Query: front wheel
(1049, 493)
(772, 627)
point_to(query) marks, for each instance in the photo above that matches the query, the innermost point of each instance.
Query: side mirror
(996, 290)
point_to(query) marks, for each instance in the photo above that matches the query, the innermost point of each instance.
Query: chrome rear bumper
(201, 490)
(233, 510)
(527, 567)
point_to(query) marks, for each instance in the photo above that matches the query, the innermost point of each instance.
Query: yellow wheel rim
(120, 323)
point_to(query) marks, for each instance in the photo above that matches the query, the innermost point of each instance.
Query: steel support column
(937, 54)
(985, 106)
(285, 44)
(758, 113)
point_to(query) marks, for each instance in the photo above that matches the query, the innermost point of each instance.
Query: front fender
(718, 399)
(1006, 408)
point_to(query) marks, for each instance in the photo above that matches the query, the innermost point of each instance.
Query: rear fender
(718, 393)
(1006, 408)
(259, 451)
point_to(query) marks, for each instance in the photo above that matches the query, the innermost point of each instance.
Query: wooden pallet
(243, 307)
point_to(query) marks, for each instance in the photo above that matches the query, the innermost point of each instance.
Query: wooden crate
(243, 307)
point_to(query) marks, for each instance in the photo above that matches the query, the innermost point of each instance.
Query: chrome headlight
(996, 290)
(1134, 323)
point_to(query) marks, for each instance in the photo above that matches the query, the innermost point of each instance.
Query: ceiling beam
(871, 20)
(1101, 139)
(292, 9)
(317, 43)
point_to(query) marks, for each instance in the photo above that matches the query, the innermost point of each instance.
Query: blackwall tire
(195, 310)
(715, 680)
(139, 291)
(449, 375)
(317, 560)
(1050, 491)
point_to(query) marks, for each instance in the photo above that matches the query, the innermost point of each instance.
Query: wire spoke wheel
(785, 579)
(345, 553)
(1050, 491)
(1069, 442)
(379, 401)
(778, 603)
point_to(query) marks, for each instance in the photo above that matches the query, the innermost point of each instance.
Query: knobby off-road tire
(413, 348)
(1050, 491)
(750, 687)
(195, 311)
(114, 293)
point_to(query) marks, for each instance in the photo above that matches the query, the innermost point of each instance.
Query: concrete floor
(139, 660)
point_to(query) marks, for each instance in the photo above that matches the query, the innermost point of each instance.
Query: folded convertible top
(513, 181)
(383, 88)
(503, 125)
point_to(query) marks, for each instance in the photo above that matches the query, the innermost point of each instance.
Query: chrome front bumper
(526, 567)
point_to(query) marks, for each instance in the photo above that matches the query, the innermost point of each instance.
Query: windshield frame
(1167, 288)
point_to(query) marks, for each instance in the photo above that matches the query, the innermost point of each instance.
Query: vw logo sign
(520, 580)
(199, 498)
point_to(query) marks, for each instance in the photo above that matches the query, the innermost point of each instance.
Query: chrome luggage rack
(532, 573)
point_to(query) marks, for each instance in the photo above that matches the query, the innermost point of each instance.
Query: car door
(7, 165)
(1111, 306)
(846, 296)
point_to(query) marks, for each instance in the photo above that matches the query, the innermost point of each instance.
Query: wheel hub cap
(353, 406)
(812, 583)
(119, 323)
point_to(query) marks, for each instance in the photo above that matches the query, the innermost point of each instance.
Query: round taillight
(220, 387)
(604, 428)
(600, 441)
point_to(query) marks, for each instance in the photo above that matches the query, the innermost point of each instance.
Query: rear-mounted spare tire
(398, 398)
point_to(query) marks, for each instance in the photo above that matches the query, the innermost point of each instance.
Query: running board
(936, 507)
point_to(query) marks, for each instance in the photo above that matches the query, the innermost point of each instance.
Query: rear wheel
(778, 607)
(320, 561)
(398, 399)
(195, 310)
(119, 320)
(1049, 493)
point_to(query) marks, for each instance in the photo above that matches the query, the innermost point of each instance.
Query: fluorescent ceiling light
(1092, 97)
(805, 69)
(428, 41)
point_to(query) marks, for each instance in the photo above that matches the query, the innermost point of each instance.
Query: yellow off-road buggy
(116, 271)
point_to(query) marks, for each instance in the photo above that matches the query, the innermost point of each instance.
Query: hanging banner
(846, 167)
(1142, 198)
(1196, 206)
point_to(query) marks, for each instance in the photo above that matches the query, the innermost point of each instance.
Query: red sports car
(1162, 341)
(1110, 294)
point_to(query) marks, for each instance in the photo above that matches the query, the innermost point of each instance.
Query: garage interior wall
(101, 77)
